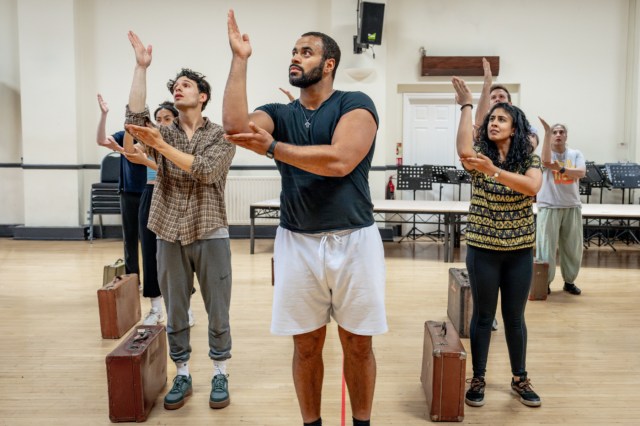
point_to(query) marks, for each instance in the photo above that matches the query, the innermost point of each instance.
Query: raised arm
(138, 93)
(545, 155)
(102, 124)
(485, 95)
(101, 138)
(464, 139)
(235, 109)
(287, 94)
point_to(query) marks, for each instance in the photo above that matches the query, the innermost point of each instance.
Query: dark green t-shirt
(312, 203)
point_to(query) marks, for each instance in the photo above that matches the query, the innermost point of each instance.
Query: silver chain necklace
(307, 120)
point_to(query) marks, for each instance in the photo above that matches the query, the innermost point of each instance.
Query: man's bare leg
(308, 372)
(359, 372)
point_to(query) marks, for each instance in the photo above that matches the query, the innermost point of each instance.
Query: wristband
(466, 105)
(271, 151)
(562, 170)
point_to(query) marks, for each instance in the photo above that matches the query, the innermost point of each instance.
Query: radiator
(241, 191)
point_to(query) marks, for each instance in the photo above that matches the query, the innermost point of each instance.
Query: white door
(429, 137)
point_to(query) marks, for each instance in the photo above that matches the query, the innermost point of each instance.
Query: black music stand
(414, 178)
(592, 179)
(442, 175)
(624, 176)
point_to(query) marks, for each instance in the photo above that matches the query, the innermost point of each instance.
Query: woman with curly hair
(500, 235)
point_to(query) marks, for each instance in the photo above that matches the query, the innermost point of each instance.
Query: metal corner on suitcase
(437, 353)
(434, 417)
(463, 355)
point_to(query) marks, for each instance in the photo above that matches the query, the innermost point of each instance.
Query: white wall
(11, 182)
(568, 57)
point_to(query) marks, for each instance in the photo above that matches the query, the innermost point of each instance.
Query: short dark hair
(168, 105)
(330, 49)
(203, 85)
(500, 87)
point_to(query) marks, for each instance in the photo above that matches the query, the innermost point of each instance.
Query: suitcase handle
(110, 285)
(443, 329)
(143, 334)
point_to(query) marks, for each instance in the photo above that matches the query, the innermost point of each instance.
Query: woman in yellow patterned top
(500, 236)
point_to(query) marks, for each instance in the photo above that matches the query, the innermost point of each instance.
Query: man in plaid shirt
(188, 215)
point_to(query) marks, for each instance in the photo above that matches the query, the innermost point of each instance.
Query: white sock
(156, 303)
(183, 368)
(219, 367)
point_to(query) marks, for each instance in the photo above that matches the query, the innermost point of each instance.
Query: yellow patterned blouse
(499, 217)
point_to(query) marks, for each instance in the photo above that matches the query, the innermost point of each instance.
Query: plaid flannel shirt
(188, 205)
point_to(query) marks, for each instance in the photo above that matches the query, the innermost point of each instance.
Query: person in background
(131, 186)
(500, 235)
(559, 221)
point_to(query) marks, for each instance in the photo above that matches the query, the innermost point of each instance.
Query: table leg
(251, 230)
(448, 247)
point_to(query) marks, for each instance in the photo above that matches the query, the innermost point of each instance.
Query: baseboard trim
(79, 233)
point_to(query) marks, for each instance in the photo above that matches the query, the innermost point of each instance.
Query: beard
(307, 79)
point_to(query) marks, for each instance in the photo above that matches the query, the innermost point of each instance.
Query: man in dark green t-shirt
(323, 144)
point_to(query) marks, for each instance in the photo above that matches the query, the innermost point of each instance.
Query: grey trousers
(560, 230)
(210, 260)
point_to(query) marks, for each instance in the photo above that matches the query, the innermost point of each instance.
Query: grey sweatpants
(210, 260)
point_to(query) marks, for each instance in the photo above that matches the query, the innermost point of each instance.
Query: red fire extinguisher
(391, 189)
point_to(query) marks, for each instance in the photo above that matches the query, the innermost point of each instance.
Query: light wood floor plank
(583, 352)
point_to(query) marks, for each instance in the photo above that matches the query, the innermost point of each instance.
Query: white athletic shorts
(335, 274)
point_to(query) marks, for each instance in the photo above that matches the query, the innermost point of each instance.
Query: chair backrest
(110, 168)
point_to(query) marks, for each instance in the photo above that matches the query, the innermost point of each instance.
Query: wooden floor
(583, 352)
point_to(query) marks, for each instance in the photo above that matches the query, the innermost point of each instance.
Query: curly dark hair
(520, 148)
(203, 85)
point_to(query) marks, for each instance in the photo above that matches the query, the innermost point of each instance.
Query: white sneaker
(192, 319)
(153, 317)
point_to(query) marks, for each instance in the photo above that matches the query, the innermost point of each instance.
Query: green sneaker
(179, 392)
(219, 397)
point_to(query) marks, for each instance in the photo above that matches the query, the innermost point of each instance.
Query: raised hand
(240, 45)
(488, 77)
(143, 54)
(103, 105)
(288, 94)
(546, 126)
(463, 94)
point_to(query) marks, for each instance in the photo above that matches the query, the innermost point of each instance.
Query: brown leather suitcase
(119, 306)
(112, 271)
(137, 373)
(444, 363)
(539, 281)
(459, 300)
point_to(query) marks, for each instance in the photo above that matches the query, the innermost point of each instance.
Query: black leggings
(510, 273)
(129, 206)
(150, 288)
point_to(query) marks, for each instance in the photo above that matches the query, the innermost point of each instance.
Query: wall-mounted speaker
(371, 19)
